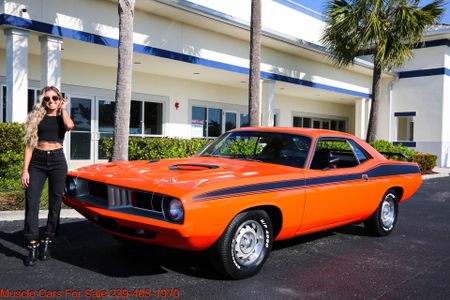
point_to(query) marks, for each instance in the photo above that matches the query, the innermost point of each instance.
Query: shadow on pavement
(84, 245)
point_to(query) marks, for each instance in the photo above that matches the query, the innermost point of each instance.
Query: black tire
(383, 220)
(251, 229)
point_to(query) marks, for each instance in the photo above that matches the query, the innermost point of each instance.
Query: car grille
(113, 197)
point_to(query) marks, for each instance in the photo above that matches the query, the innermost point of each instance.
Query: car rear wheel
(383, 220)
(244, 246)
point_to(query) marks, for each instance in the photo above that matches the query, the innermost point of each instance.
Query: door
(82, 136)
(336, 185)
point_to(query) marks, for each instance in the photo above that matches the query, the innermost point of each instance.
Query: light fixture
(196, 73)
(136, 63)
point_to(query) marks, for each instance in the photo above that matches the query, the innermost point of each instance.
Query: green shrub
(385, 146)
(426, 162)
(156, 148)
(12, 195)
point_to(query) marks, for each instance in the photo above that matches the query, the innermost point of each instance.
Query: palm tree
(254, 83)
(388, 29)
(123, 83)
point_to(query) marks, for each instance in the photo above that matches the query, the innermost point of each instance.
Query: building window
(245, 121)
(319, 123)
(213, 121)
(405, 126)
(153, 118)
(3, 105)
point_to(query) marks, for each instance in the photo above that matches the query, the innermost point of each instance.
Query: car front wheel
(383, 220)
(245, 245)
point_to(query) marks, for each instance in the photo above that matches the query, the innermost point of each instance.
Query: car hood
(181, 177)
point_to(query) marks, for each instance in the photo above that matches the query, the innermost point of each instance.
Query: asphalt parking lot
(413, 262)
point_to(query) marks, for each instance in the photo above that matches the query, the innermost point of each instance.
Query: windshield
(271, 147)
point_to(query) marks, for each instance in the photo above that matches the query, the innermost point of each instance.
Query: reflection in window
(106, 111)
(80, 145)
(80, 112)
(214, 122)
(136, 117)
(198, 123)
(230, 120)
(405, 128)
(153, 118)
(3, 112)
(31, 99)
(244, 120)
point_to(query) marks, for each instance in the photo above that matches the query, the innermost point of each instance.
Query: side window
(332, 153)
(360, 153)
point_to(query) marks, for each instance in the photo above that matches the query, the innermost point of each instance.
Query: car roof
(298, 130)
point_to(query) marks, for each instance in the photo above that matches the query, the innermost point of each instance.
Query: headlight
(71, 186)
(173, 210)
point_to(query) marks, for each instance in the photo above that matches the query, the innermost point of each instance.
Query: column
(16, 74)
(361, 117)
(267, 102)
(50, 60)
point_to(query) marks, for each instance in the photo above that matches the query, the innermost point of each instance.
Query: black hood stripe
(378, 171)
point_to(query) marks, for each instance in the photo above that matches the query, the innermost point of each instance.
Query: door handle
(365, 177)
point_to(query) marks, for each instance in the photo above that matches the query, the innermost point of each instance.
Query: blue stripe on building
(405, 114)
(83, 36)
(424, 73)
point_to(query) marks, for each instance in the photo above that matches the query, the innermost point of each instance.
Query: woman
(44, 158)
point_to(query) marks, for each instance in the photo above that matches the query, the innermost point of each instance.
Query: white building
(190, 72)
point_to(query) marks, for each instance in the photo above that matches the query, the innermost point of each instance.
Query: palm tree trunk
(373, 116)
(123, 83)
(254, 98)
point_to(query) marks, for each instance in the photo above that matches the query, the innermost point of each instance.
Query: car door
(335, 191)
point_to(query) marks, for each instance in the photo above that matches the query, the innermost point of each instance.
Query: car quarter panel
(339, 196)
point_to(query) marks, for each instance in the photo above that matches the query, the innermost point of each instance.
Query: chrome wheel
(248, 243)
(388, 212)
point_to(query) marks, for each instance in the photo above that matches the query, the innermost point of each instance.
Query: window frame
(338, 139)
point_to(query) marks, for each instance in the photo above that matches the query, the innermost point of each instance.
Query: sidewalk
(17, 215)
(440, 172)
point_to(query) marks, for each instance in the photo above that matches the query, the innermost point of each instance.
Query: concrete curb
(432, 176)
(440, 172)
(18, 215)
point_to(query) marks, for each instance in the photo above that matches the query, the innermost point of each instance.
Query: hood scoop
(193, 167)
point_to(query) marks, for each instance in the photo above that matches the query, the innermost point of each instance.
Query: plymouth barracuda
(246, 189)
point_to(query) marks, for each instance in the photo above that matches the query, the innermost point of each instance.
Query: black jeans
(43, 165)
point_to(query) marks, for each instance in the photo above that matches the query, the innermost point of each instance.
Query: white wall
(100, 17)
(292, 23)
(287, 105)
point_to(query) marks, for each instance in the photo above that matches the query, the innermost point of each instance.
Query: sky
(317, 5)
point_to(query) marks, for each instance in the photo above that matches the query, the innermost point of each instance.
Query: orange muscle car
(244, 190)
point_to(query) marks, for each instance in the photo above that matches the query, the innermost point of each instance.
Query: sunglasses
(54, 98)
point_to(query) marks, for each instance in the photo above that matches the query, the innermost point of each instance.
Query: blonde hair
(35, 117)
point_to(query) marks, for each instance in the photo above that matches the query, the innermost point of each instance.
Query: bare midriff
(47, 146)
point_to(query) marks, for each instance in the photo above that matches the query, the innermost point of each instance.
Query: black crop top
(51, 129)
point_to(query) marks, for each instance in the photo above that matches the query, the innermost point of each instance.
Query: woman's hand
(25, 179)
(63, 104)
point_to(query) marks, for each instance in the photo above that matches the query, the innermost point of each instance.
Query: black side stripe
(378, 171)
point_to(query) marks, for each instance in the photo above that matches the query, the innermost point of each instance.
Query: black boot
(32, 254)
(44, 253)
